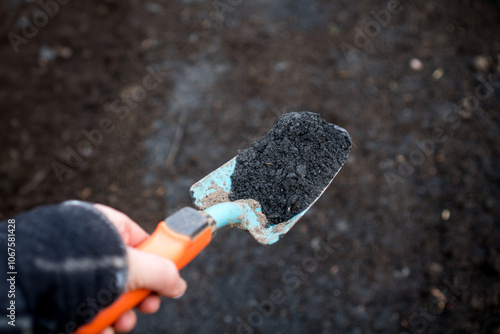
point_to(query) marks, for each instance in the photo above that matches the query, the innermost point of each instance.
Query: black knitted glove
(70, 262)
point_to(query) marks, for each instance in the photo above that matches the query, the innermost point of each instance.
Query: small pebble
(482, 63)
(445, 215)
(47, 54)
(315, 243)
(416, 65)
(85, 193)
(441, 298)
(436, 268)
(438, 73)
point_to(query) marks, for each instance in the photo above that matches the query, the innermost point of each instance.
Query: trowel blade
(215, 188)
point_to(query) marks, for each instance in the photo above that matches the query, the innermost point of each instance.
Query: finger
(155, 273)
(131, 233)
(108, 330)
(150, 305)
(126, 322)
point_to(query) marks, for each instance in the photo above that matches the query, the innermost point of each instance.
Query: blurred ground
(407, 239)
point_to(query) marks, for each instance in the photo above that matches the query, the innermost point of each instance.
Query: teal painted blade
(219, 179)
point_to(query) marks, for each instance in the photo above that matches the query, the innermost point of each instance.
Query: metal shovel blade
(215, 188)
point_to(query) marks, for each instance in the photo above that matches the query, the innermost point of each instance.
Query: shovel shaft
(180, 238)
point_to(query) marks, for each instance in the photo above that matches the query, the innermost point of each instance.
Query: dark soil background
(406, 240)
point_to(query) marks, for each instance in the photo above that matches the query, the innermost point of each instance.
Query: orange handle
(179, 248)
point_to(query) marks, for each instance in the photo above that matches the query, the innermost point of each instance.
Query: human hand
(146, 271)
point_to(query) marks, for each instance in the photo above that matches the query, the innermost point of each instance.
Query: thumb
(155, 273)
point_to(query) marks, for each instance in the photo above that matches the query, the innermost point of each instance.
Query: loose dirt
(289, 167)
